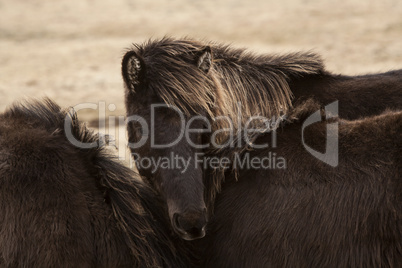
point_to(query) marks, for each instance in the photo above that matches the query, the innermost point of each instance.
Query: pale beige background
(71, 50)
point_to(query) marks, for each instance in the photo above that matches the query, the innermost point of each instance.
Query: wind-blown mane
(237, 84)
(135, 206)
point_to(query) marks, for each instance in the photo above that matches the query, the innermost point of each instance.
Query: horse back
(358, 96)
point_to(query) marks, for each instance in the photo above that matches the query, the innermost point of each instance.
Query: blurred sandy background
(71, 50)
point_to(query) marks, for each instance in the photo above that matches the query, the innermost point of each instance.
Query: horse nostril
(179, 223)
(189, 225)
(176, 223)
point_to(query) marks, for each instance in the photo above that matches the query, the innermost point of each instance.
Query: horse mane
(239, 84)
(46, 114)
(138, 212)
(136, 207)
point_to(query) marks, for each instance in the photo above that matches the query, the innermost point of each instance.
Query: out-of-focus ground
(70, 50)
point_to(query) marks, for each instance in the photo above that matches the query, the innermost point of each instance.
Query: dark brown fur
(63, 206)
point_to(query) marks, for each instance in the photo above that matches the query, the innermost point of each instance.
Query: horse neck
(290, 125)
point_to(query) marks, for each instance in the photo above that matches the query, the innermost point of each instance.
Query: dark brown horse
(63, 206)
(208, 80)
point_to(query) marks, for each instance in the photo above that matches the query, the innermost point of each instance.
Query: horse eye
(140, 131)
(137, 130)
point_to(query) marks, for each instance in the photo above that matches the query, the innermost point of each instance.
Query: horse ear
(133, 69)
(204, 59)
